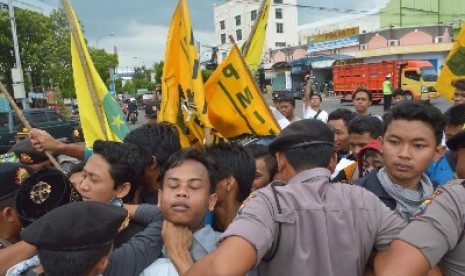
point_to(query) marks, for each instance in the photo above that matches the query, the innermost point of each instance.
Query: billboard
(45, 7)
(333, 40)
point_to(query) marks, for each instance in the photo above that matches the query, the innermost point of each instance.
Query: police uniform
(309, 226)
(438, 227)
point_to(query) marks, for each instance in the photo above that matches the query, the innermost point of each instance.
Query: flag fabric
(453, 69)
(112, 125)
(235, 104)
(252, 49)
(183, 94)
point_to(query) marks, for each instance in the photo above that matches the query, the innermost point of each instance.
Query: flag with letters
(453, 69)
(235, 104)
(111, 125)
(252, 49)
(183, 91)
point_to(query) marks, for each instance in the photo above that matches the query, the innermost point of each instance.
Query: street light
(102, 36)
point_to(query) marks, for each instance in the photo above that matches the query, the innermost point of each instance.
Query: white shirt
(309, 113)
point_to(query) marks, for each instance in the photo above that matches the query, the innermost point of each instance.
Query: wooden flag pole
(231, 38)
(82, 58)
(26, 123)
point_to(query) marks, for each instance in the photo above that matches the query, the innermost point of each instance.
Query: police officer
(387, 93)
(309, 226)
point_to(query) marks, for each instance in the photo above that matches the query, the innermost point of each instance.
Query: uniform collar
(307, 175)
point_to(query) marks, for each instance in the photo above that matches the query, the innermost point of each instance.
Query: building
(45, 7)
(237, 17)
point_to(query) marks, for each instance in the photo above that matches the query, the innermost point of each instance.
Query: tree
(158, 67)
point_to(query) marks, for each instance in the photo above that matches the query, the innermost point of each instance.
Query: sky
(140, 27)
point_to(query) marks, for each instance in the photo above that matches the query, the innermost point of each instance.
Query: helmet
(388, 75)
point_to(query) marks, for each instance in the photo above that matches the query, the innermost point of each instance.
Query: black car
(43, 118)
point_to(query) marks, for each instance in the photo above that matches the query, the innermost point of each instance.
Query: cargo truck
(417, 77)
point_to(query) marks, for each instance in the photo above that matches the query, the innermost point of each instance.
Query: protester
(399, 95)
(459, 93)
(265, 164)
(308, 226)
(287, 108)
(433, 237)
(236, 172)
(187, 193)
(370, 158)
(151, 112)
(362, 131)
(339, 119)
(362, 99)
(411, 141)
(312, 109)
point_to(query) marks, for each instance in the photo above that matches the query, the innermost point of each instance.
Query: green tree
(158, 67)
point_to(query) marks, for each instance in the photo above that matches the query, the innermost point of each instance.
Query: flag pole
(233, 43)
(246, 46)
(26, 123)
(83, 60)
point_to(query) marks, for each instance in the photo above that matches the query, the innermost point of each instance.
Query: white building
(236, 18)
(45, 7)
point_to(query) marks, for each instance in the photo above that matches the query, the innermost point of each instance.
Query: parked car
(43, 118)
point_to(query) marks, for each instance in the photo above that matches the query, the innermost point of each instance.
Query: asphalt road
(329, 104)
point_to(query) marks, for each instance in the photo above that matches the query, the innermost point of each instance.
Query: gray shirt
(327, 229)
(438, 227)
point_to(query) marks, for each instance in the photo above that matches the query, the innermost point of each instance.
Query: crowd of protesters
(344, 193)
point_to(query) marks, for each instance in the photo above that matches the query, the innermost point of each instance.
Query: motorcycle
(133, 117)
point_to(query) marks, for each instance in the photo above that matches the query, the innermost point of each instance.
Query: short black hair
(370, 97)
(125, 164)
(399, 92)
(342, 113)
(366, 124)
(261, 151)
(79, 167)
(459, 84)
(455, 115)
(417, 111)
(287, 99)
(306, 158)
(318, 95)
(160, 140)
(71, 263)
(7, 202)
(180, 156)
(233, 160)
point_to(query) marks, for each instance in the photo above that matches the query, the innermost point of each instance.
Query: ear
(212, 202)
(9, 214)
(154, 164)
(439, 152)
(123, 190)
(281, 160)
(332, 162)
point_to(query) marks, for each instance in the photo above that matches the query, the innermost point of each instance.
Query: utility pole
(17, 72)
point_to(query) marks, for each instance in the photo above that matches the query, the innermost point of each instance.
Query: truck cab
(418, 78)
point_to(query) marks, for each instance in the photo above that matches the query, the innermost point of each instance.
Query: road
(329, 104)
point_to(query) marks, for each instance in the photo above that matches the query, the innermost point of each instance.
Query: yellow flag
(252, 49)
(183, 94)
(453, 69)
(100, 115)
(235, 104)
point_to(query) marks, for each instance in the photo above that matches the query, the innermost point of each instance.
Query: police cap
(302, 133)
(12, 175)
(27, 154)
(75, 227)
(457, 141)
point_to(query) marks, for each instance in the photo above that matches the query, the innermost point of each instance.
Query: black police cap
(457, 141)
(45, 190)
(12, 176)
(302, 133)
(27, 154)
(75, 227)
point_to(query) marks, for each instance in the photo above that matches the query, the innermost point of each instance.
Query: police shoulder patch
(244, 203)
(427, 202)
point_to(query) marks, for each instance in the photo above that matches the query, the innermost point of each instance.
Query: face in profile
(185, 195)
(262, 175)
(341, 135)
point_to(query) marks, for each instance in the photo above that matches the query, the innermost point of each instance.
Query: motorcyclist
(132, 108)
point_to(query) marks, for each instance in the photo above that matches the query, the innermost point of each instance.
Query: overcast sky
(141, 26)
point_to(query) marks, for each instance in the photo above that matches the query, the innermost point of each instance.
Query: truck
(417, 77)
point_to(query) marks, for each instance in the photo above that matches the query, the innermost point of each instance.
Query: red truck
(417, 77)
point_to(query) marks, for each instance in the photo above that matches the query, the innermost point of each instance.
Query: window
(3, 120)
(253, 15)
(279, 28)
(222, 25)
(280, 44)
(38, 117)
(413, 75)
(238, 20)
(238, 35)
(278, 1)
(54, 117)
(279, 13)
(223, 38)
